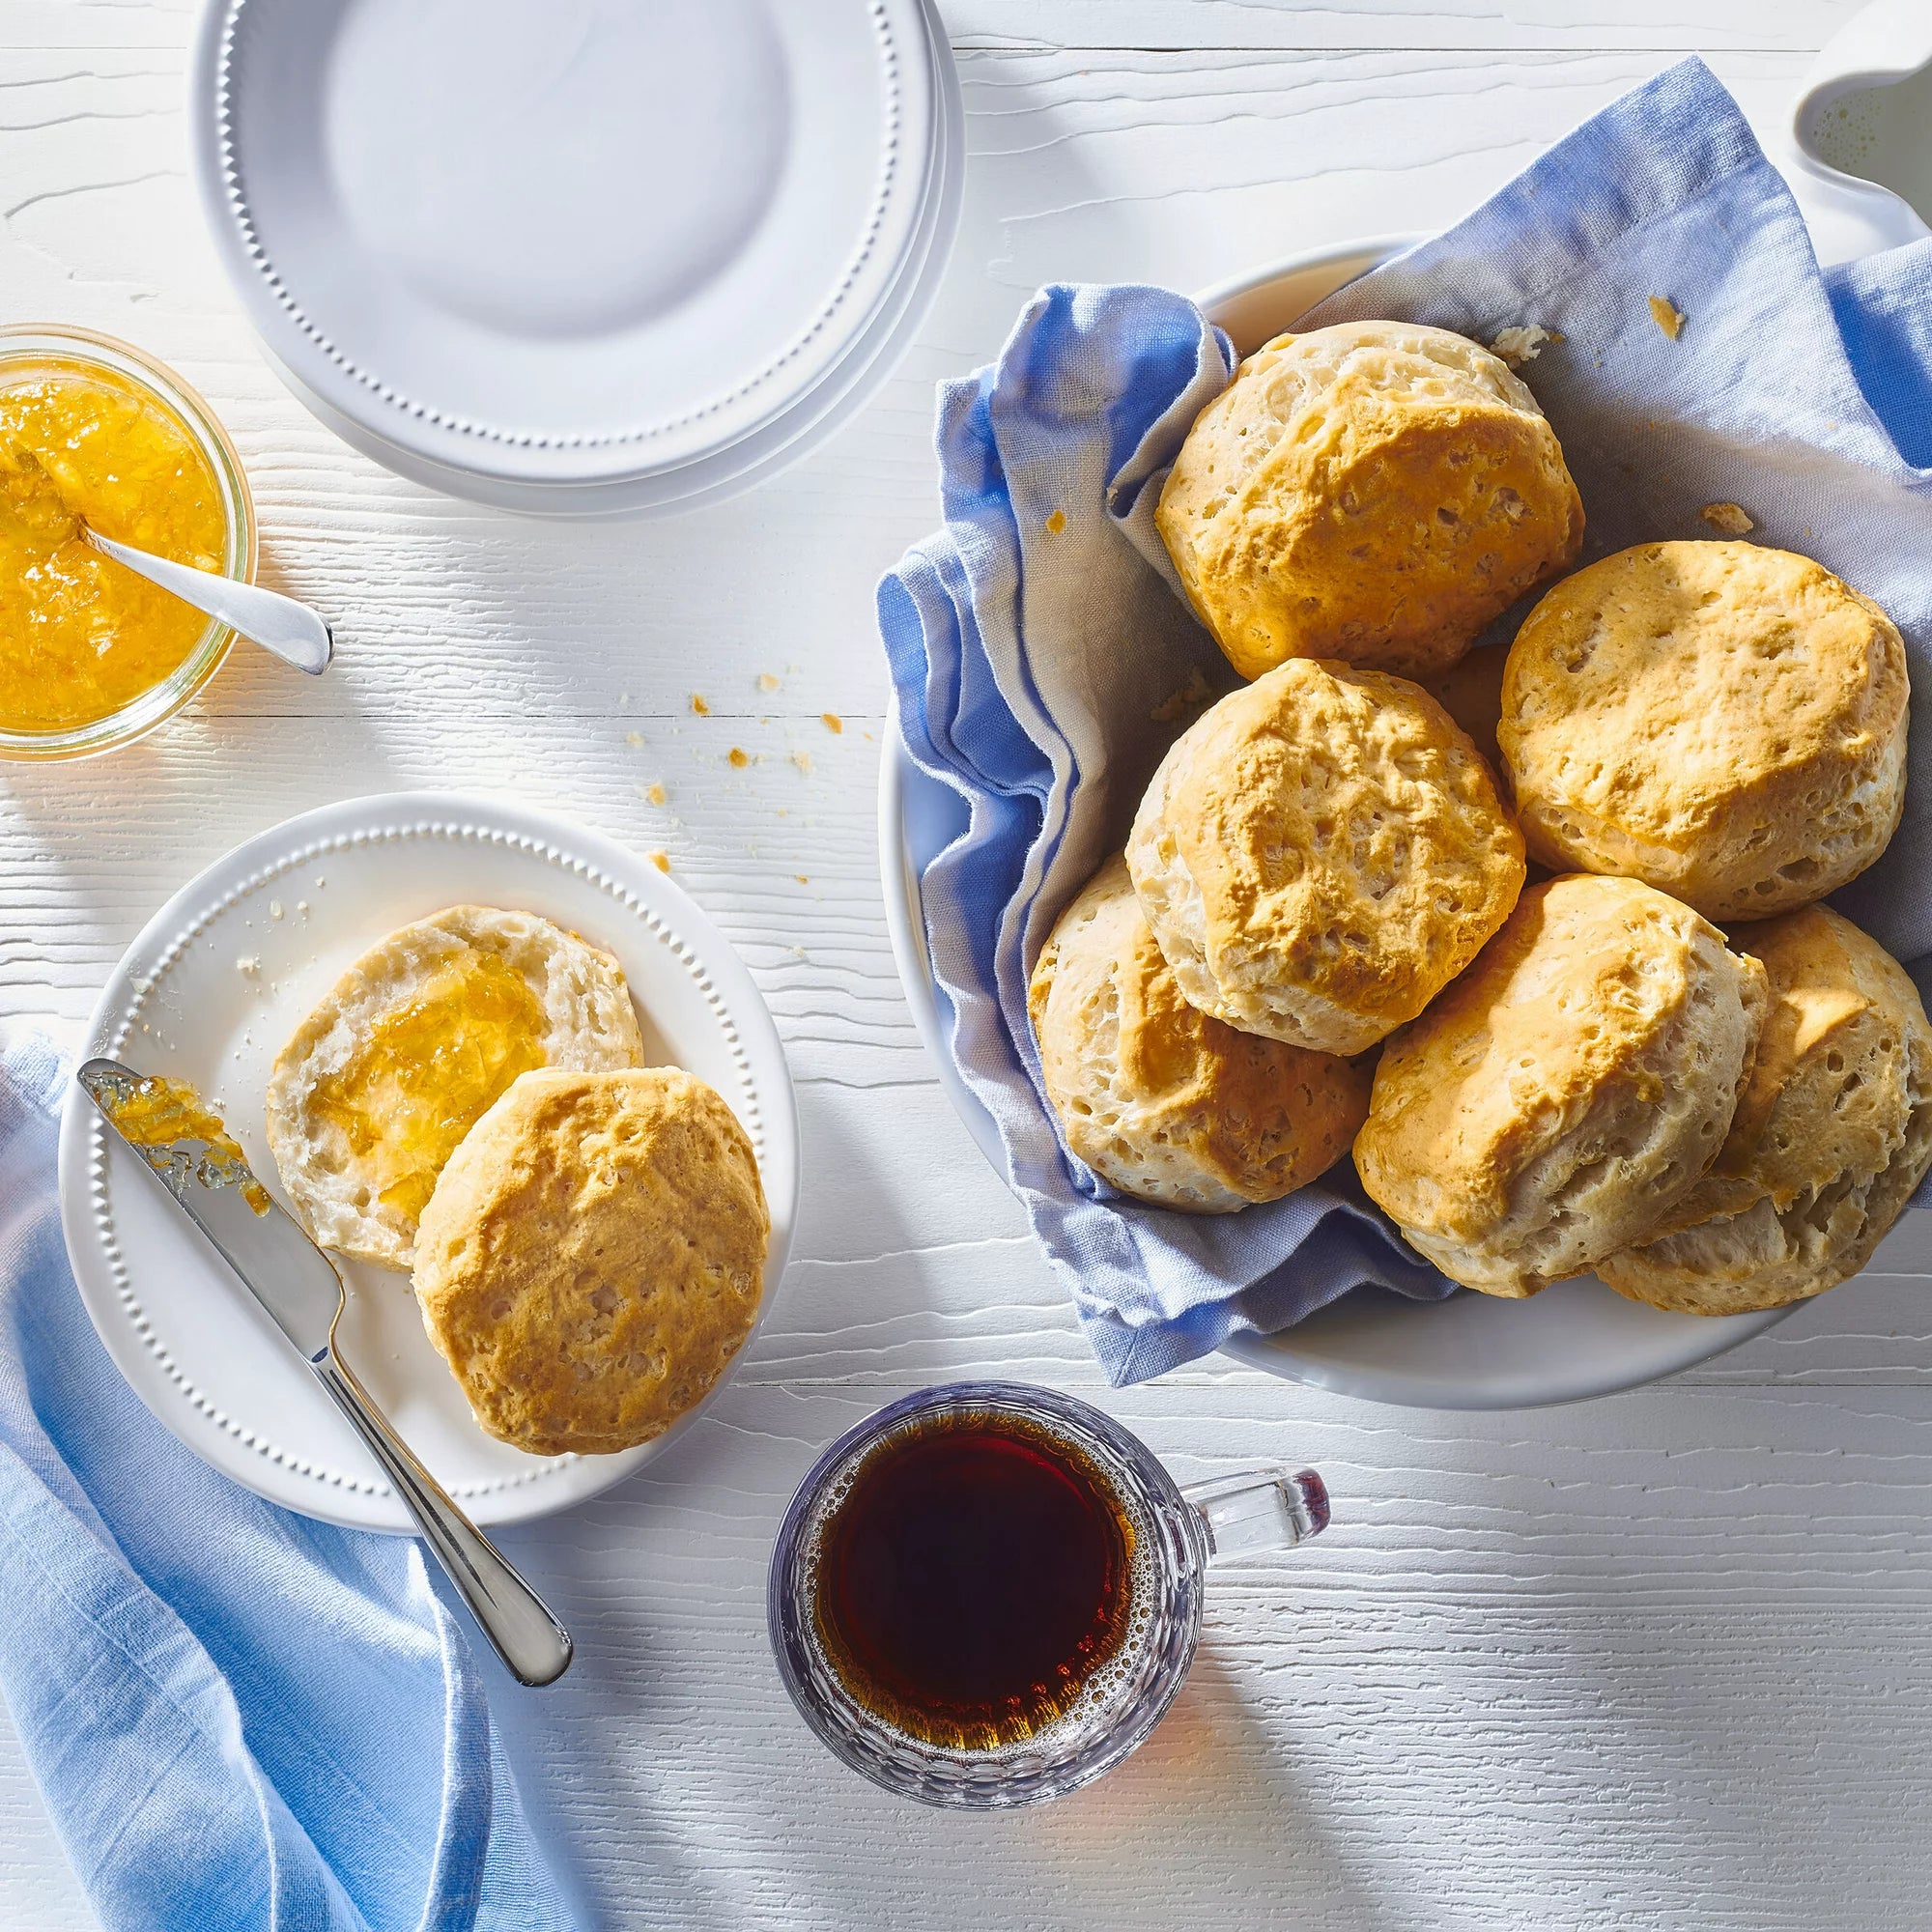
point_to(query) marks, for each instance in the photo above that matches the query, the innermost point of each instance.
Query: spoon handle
(291, 631)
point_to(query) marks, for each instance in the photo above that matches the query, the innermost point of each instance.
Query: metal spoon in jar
(291, 631)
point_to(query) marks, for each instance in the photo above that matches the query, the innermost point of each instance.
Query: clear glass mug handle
(1259, 1508)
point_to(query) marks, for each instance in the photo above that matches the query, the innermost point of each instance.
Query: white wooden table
(1661, 1661)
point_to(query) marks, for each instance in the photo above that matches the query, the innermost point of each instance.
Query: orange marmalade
(80, 636)
(428, 1071)
(157, 1113)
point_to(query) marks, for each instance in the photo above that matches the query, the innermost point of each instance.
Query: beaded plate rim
(227, 168)
(145, 969)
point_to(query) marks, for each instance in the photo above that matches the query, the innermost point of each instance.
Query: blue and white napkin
(241, 1720)
(1035, 642)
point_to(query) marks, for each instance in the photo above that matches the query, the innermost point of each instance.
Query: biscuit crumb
(301, 906)
(248, 962)
(1056, 523)
(1523, 344)
(738, 758)
(766, 681)
(699, 705)
(655, 794)
(801, 878)
(1177, 704)
(1668, 316)
(633, 739)
(661, 860)
(275, 908)
(1728, 519)
(803, 761)
(833, 721)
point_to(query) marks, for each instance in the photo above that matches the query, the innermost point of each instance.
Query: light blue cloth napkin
(1033, 643)
(241, 1720)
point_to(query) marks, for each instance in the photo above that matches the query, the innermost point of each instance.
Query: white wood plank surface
(1644, 25)
(1663, 1660)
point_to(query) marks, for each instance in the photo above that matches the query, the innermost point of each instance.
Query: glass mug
(1170, 1536)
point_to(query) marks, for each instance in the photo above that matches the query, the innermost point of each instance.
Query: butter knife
(298, 1285)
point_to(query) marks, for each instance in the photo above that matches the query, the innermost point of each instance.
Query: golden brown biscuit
(1723, 721)
(1157, 1098)
(593, 1257)
(1321, 853)
(411, 1046)
(1831, 1135)
(1376, 492)
(1566, 1090)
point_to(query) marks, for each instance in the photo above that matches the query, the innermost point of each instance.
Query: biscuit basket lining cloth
(1036, 639)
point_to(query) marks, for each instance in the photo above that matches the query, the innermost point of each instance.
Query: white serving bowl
(1472, 1352)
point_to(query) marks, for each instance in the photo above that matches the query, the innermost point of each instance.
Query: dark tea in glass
(987, 1594)
(975, 1579)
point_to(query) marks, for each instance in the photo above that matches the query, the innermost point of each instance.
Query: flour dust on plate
(208, 993)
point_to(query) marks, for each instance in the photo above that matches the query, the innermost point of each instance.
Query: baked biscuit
(1376, 492)
(409, 1047)
(593, 1257)
(1567, 1091)
(1157, 1098)
(1321, 853)
(1831, 1135)
(1723, 721)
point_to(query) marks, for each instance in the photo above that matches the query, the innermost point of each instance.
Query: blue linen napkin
(1037, 641)
(241, 1720)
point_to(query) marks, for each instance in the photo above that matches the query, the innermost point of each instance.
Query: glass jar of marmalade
(93, 431)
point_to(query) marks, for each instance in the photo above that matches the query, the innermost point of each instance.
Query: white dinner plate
(210, 990)
(570, 243)
(1574, 1340)
(788, 437)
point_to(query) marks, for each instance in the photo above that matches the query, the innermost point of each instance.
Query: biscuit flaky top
(593, 1256)
(1156, 1098)
(1831, 1134)
(1723, 721)
(1565, 1092)
(1376, 492)
(1321, 853)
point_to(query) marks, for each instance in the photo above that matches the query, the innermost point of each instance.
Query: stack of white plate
(580, 257)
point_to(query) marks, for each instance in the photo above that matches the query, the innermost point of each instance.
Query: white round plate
(189, 1338)
(1574, 1340)
(772, 446)
(563, 243)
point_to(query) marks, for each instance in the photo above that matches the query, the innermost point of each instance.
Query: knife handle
(534, 1646)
